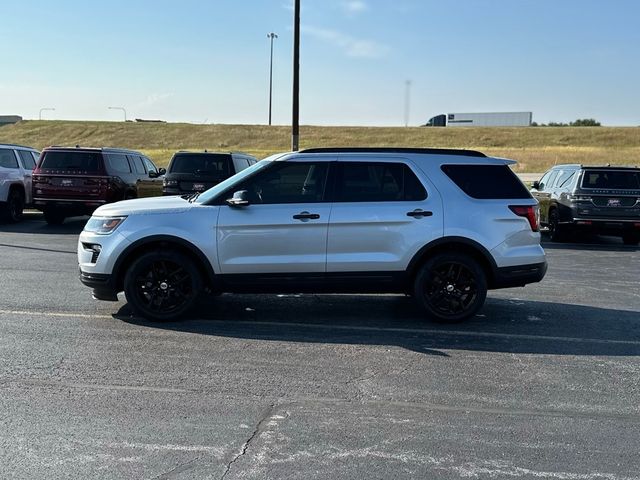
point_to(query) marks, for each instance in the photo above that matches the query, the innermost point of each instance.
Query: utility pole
(120, 108)
(271, 36)
(407, 102)
(42, 110)
(295, 121)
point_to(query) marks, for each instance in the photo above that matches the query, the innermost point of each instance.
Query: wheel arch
(455, 245)
(156, 242)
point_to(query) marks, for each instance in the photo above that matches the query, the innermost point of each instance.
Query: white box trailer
(489, 119)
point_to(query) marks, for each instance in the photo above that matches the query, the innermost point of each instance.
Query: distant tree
(534, 124)
(558, 124)
(585, 122)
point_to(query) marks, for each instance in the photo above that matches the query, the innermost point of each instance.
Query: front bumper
(519, 275)
(102, 285)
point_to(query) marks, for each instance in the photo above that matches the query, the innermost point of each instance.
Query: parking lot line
(423, 331)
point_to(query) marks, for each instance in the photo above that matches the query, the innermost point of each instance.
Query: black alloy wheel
(557, 232)
(162, 286)
(15, 206)
(451, 287)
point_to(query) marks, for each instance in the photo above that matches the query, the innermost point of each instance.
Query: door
(543, 194)
(28, 164)
(150, 185)
(283, 229)
(383, 213)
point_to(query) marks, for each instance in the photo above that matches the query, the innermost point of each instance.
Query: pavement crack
(268, 413)
(178, 469)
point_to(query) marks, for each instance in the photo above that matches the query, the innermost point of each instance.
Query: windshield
(616, 179)
(222, 186)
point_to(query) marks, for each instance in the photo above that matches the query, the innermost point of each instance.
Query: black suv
(602, 200)
(71, 181)
(193, 172)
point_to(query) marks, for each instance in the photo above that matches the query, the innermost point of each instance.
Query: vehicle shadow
(33, 222)
(589, 242)
(506, 326)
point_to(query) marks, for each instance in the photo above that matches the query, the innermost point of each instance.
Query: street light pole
(120, 108)
(295, 121)
(271, 36)
(42, 110)
(407, 102)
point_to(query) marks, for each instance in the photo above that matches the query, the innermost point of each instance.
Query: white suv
(16, 168)
(441, 225)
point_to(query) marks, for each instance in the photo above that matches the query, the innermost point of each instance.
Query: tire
(162, 286)
(557, 232)
(631, 238)
(15, 206)
(53, 216)
(450, 287)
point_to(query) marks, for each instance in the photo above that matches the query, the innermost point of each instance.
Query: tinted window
(118, 163)
(8, 159)
(486, 181)
(565, 178)
(205, 164)
(626, 180)
(138, 164)
(377, 182)
(288, 183)
(27, 160)
(149, 164)
(36, 156)
(552, 179)
(72, 161)
(543, 180)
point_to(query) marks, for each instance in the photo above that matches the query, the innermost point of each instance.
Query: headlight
(103, 225)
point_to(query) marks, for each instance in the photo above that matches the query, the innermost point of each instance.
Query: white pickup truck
(16, 166)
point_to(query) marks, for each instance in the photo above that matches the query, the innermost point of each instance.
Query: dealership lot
(543, 383)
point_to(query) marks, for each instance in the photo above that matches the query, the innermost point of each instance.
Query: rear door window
(611, 179)
(71, 161)
(8, 159)
(377, 182)
(488, 181)
(138, 164)
(28, 163)
(118, 163)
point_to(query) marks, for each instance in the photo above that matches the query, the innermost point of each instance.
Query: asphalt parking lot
(543, 383)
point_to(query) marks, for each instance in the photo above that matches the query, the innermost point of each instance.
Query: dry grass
(534, 148)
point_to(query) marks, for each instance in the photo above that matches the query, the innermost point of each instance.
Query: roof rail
(16, 145)
(432, 151)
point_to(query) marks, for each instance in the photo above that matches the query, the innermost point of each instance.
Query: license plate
(614, 202)
(66, 182)
(198, 186)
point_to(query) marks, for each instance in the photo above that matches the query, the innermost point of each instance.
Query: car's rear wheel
(631, 238)
(162, 286)
(15, 206)
(557, 232)
(53, 216)
(450, 287)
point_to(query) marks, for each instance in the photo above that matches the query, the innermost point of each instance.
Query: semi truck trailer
(489, 119)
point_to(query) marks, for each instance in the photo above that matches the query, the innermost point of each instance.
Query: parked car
(72, 181)
(16, 168)
(441, 225)
(191, 172)
(581, 198)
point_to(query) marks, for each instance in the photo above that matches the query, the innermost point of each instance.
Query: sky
(203, 61)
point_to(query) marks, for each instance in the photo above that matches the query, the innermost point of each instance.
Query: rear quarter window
(487, 181)
(8, 159)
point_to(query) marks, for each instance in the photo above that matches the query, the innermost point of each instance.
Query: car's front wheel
(450, 287)
(162, 286)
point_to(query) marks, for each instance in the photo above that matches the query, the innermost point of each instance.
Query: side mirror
(153, 174)
(239, 199)
(162, 171)
(536, 185)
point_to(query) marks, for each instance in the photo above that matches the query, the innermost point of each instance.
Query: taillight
(530, 212)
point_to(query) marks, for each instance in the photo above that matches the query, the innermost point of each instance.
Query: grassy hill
(535, 148)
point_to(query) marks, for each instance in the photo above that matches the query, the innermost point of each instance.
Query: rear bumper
(87, 205)
(102, 285)
(518, 276)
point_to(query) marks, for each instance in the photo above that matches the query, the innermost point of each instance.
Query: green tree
(585, 122)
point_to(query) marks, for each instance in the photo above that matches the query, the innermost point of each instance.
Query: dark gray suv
(604, 200)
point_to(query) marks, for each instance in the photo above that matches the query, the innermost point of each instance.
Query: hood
(144, 206)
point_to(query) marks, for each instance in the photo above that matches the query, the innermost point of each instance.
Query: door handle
(419, 213)
(306, 216)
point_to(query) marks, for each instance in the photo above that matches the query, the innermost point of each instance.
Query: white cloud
(351, 46)
(354, 6)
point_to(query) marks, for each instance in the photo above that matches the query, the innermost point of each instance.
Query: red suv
(75, 181)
